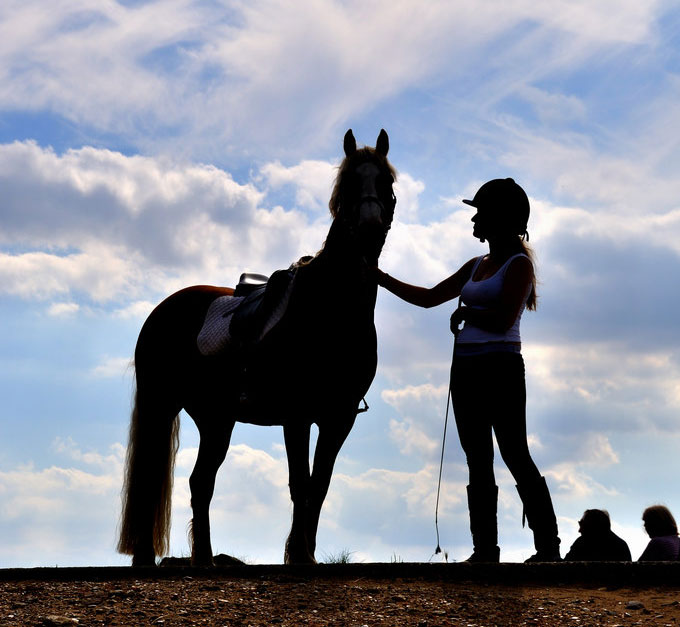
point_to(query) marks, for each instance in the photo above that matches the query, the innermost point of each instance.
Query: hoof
(143, 561)
(297, 551)
(298, 557)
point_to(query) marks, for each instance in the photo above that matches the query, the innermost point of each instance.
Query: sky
(148, 146)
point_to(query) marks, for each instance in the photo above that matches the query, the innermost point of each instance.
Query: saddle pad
(214, 336)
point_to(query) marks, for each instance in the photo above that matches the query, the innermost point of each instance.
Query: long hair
(532, 301)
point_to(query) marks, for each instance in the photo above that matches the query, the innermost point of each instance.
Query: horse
(314, 367)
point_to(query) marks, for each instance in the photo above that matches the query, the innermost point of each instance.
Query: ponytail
(528, 251)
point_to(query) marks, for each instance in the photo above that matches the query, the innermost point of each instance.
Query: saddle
(257, 306)
(263, 306)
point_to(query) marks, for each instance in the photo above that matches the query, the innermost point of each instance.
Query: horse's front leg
(296, 437)
(212, 449)
(332, 435)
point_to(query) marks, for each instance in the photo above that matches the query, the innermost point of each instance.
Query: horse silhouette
(314, 367)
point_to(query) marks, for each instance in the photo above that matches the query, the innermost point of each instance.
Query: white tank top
(486, 294)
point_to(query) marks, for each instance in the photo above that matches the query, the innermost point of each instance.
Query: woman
(664, 545)
(487, 374)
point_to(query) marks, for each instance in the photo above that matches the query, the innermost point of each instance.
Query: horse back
(172, 327)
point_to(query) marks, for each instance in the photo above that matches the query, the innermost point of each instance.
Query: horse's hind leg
(212, 449)
(297, 449)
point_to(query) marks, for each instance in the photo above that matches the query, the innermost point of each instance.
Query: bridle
(352, 218)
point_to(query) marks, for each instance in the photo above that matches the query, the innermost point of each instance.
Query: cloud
(312, 181)
(407, 189)
(420, 409)
(555, 107)
(137, 309)
(112, 367)
(61, 515)
(604, 387)
(100, 274)
(87, 215)
(111, 462)
(63, 309)
(576, 484)
(228, 76)
(79, 193)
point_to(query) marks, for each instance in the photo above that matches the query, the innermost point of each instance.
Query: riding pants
(489, 396)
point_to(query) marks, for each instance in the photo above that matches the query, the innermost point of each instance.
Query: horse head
(362, 197)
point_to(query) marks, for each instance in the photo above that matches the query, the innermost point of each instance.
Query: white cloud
(101, 274)
(312, 180)
(112, 462)
(420, 409)
(576, 484)
(112, 367)
(61, 515)
(63, 309)
(89, 214)
(407, 190)
(555, 107)
(233, 75)
(138, 309)
(606, 387)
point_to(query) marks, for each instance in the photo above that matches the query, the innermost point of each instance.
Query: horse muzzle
(371, 230)
(370, 213)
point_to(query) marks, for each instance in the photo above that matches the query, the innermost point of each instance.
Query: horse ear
(382, 146)
(349, 144)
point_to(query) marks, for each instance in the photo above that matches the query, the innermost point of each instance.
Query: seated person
(598, 543)
(664, 545)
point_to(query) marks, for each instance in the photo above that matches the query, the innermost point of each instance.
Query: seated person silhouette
(664, 545)
(597, 543)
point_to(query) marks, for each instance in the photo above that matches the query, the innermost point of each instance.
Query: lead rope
(438, 550)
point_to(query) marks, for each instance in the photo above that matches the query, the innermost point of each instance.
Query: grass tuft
(343, 557)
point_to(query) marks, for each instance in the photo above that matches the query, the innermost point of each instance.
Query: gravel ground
(277, 596)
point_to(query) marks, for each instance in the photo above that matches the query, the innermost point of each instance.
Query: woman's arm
(423, 296)
(518, 279)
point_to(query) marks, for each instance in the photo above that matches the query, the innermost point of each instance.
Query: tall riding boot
(539, 512)
(482, 503)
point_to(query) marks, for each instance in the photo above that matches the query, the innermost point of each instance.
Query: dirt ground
(188, 597)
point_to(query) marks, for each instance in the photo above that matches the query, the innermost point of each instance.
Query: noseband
(352, 219)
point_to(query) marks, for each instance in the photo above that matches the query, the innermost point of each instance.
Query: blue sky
(146, 146)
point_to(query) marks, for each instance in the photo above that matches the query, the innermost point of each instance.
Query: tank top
(485, 294)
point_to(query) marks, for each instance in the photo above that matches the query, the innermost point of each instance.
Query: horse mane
(362, 155)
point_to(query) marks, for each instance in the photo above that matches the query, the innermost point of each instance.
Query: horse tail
(149, 470)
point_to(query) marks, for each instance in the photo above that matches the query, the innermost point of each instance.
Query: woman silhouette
(662, 529)
(487, 374)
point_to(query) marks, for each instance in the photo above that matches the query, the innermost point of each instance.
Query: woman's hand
(457, 318)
